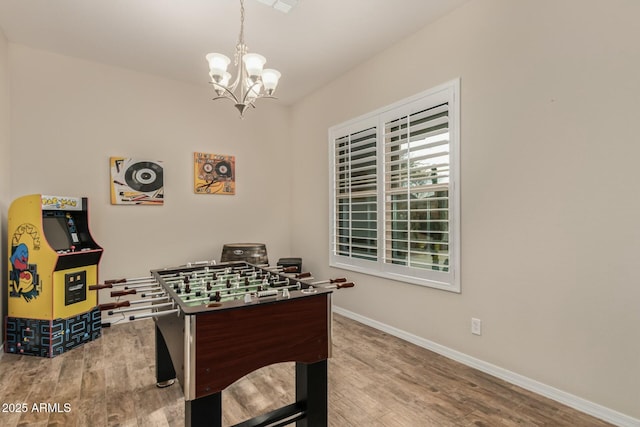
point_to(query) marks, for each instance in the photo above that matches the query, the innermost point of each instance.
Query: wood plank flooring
(375, 380)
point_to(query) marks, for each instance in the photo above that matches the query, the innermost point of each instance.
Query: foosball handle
(121, 293)
(338, 280)
(303, 275)
(345, 285)
(100, 286)
(112, 305)
(114, 281)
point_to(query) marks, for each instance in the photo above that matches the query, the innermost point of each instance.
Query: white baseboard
(582, 405)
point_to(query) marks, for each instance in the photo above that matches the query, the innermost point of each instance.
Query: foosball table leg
(311, 388)
(204, 411)
(165, 374)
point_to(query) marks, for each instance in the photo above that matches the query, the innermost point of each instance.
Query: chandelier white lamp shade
(251, 82)
(270, 80)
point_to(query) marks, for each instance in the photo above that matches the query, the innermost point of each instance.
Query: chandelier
(251, 82)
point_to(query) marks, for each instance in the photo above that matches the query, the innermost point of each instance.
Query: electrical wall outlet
(476, 326)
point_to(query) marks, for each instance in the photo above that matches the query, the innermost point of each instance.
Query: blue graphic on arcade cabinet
(23, 336)
(24, 280)
(47, 338)
(72, 332)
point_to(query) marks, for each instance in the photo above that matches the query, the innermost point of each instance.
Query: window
(395, 191)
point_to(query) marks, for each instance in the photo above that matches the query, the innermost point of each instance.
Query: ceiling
(314, 43)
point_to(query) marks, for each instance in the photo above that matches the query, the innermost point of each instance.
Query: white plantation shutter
(395, 204)
(356, 195)
(417, 189)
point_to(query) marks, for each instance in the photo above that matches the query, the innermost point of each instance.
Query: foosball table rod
(123, 293)
(148, 300)
(154, 314)
(147, 288)
(338, 280)
(279, 269)
(112, 305)
(135, 291)
(141, 285)
(340, 285)
(152, 294)
(128, 280)
(125, 285)
(306, 275)
(142, 307)
(197, 263)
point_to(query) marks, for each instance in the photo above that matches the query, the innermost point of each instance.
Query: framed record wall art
(214, 174)
(136, 181)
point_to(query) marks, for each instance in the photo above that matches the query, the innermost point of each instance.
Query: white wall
(69, 116)
(4, 169)
(550, 237)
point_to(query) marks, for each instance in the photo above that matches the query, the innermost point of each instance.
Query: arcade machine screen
(59, 230)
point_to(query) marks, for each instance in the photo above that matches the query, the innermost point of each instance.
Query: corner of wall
(4, 171)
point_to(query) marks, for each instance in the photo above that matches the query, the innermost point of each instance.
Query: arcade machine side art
(53, 265)
(136, 182)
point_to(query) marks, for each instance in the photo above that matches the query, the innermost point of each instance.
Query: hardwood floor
(374, 380)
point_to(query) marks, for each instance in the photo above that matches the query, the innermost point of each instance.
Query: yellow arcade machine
(53, 263)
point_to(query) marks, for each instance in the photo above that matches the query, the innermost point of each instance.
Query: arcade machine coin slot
(75, 287)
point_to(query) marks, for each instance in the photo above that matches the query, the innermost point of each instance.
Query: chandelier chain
(241, 37)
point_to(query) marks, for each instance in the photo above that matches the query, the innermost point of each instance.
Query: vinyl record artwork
(136, 182)
(214, 174)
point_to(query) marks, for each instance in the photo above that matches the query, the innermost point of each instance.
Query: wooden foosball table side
(209, 351)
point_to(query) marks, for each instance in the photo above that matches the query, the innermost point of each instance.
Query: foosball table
(214, 324)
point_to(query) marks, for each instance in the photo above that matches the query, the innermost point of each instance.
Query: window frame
(449, 93)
